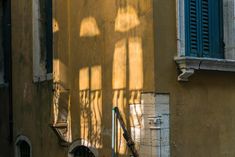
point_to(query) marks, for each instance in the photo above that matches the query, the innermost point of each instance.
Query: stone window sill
(41, 78)
(188, 65)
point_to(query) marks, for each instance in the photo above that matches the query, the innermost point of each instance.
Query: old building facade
(167, 65)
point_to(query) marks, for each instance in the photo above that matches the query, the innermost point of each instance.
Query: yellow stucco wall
(113, 67)
(31, 101)
(109, 45)
(111, 51)
(202, 109)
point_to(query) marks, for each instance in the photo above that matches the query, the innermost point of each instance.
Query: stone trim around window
(39, 64)
(41, 78)
(22, 138)
(81, 142)
(188, 65)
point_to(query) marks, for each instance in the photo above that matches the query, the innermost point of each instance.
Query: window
(23, 147)
(204, 28)
(42, 40)
(82, 148)
(5, 41)
(83, 151)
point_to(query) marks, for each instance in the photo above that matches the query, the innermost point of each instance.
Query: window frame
(187, 64)
(81, 142)
(19, 139)
(42, 69)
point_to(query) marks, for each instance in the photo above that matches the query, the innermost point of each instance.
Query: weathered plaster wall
(76, 49)
(32, 101)
(202, 121)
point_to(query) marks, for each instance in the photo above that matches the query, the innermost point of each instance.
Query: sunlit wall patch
(126, 19)
(89, 27)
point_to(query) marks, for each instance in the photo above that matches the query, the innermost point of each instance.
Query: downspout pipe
(113, 133)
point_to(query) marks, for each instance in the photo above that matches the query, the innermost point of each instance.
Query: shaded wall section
(32, 101)
(202, 110)
(109, 46)
(4, 122)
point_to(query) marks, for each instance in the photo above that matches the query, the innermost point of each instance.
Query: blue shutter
(204, 28)
(216, 29)
(191, 23)
(205, 39)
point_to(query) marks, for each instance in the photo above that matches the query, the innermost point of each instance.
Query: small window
(82, 148)
(23, 147)
(83, 151)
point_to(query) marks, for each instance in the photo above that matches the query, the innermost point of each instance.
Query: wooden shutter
(216, 28)
(205, 39)
(204, 28)
(192, 27)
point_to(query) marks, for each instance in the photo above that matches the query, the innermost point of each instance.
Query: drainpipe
(113, 133)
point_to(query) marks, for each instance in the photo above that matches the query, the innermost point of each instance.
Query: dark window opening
(24, 149)
(83, 151)
(46, 34)
(5, 40)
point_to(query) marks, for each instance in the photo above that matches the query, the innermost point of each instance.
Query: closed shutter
(204, 28)
(192, 28)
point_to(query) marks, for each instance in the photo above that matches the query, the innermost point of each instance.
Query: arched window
(81, 148)
(83, 151)
(23, 147)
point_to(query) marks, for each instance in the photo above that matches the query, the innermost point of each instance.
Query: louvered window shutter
(204, 28)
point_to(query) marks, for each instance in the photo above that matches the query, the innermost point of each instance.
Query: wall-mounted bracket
(185, 74)
(61, 130)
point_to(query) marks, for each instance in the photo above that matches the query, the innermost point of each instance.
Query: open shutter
(204, 28)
